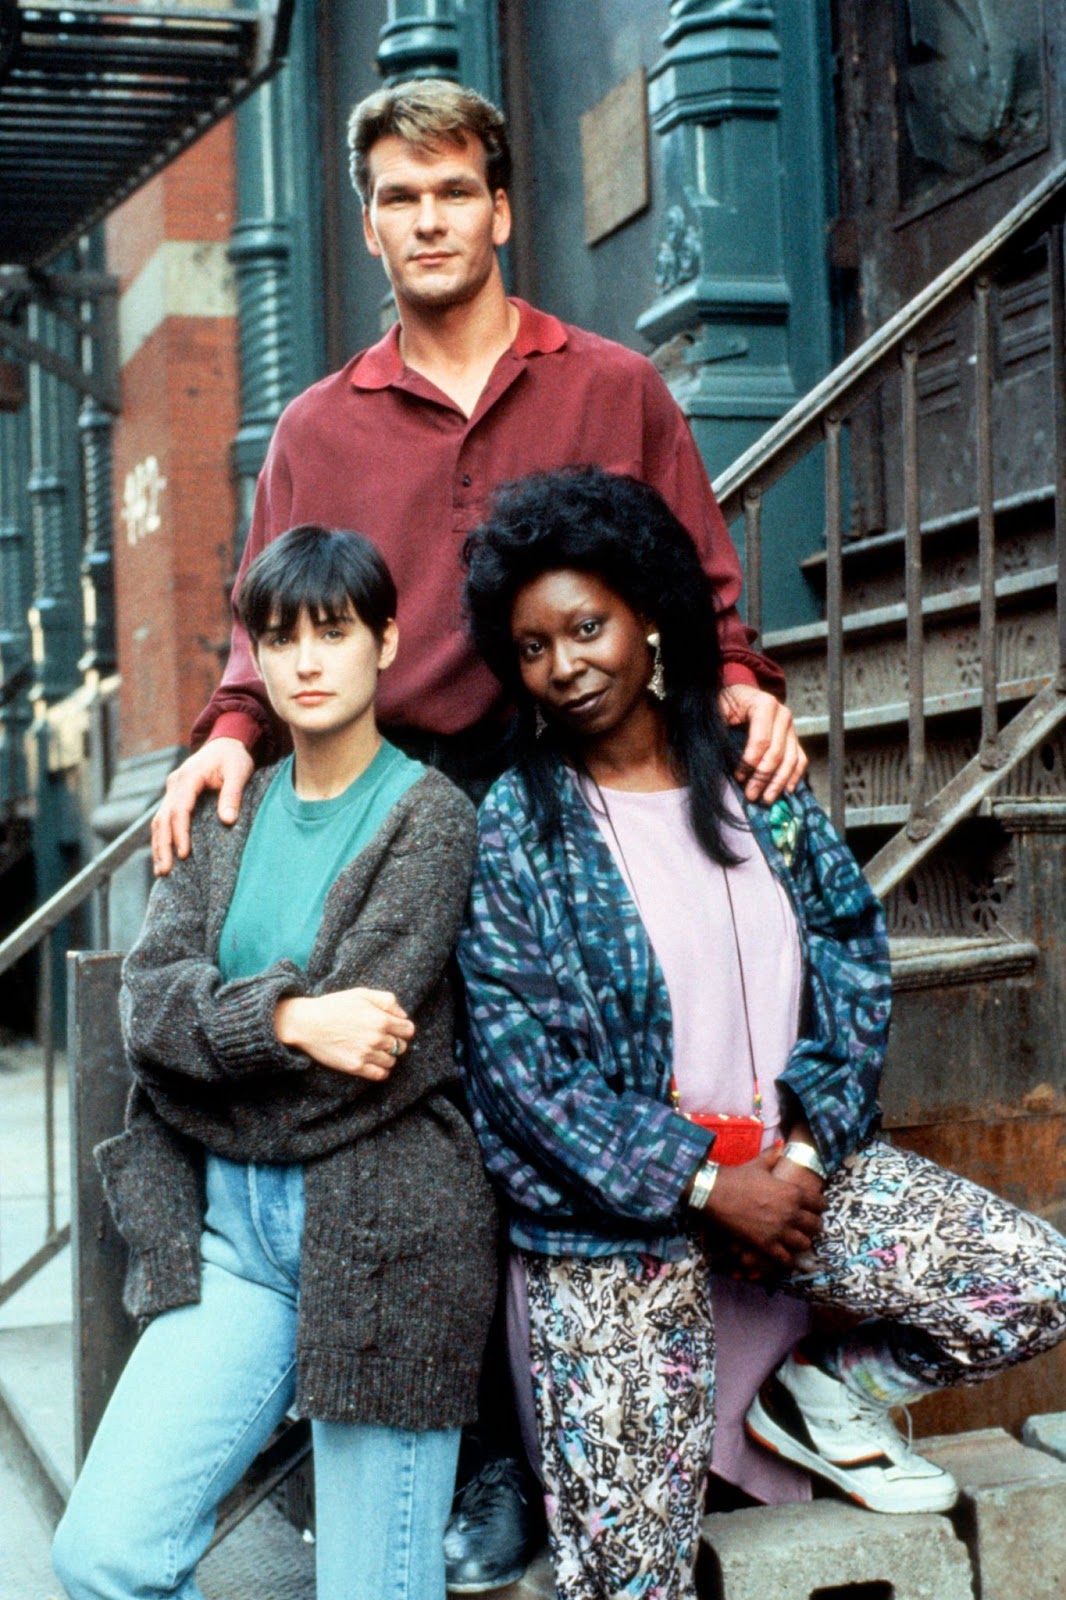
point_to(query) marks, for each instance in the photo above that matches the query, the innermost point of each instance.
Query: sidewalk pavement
(39, 1314)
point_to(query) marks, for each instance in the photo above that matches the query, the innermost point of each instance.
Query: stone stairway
(974, 1076)
(961, 916)
(875, 665)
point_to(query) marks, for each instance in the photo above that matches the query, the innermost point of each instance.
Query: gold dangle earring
(657, 681)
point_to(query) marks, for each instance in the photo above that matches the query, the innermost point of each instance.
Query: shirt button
(467, 480)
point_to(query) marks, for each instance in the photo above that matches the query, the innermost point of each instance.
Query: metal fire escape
(95, 98)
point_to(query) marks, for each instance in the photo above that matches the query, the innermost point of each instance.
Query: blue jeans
(203, 1390)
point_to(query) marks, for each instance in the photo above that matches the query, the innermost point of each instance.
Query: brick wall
(175, 504)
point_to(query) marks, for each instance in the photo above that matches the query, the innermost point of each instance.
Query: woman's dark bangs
(333, 578)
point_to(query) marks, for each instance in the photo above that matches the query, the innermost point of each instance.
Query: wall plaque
(614, 157)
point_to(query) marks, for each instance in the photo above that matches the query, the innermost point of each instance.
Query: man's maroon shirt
(379, 449)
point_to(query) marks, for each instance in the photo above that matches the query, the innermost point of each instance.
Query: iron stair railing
(36, 934)
(818, 419)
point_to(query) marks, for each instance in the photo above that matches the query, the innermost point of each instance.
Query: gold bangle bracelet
(805, 1155)
(702, 1185)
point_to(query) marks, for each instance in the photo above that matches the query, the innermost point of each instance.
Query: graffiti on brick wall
(140, 500)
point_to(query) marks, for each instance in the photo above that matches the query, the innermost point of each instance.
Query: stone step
(1011, 1513)
(25, 1563)
(37, 1396)
(934, 963)
(830, 1548)
(876, 778)
(1047, 1432)
(1014, 591)
(968, 890)
(874, 566)
(876, 672)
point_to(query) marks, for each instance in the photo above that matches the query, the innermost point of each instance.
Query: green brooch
(784, 828)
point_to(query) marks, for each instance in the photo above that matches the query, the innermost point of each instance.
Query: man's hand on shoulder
(222, 764)
(773, 761)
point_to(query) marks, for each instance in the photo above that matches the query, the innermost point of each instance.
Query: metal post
(103, 914)
(834, 615)
(276, 249)
(1057, 276)
(260, 252)
(913, 558)
(54, 622)
(986, 524)
(99, 1084)
(46, 1011)
(14, 653)
(753, 557)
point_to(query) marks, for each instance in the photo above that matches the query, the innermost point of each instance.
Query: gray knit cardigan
(397, 1274)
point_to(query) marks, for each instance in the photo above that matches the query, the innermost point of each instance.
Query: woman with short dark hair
(678, 1005)
(307, 1215)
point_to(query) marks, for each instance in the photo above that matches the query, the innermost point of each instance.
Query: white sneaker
(808, 1417)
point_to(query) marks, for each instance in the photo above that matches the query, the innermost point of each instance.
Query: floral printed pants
(962, 1286)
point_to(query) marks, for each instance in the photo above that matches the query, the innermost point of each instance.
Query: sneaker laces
(875, 1415)
(900, 1451)
(482, 1496)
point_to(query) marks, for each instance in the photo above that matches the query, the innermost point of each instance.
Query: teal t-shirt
(295, 852)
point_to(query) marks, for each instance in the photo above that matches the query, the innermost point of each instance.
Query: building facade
(746, 190)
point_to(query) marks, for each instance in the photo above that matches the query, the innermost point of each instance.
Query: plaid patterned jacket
(569, 1042)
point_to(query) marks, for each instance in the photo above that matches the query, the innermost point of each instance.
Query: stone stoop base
(1047, 1432)
(1011, 1512)
(827, 1547)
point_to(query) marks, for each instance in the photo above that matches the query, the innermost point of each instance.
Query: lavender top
(682, 898)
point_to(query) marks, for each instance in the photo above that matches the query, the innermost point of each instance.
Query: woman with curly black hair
(678, 1007)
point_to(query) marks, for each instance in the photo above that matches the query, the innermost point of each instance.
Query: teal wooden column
(455, 39)
(97, 568)
(55, 617)
(740, 103)
(419, 40)
(275, 248)
(15, 575)
(95, 428)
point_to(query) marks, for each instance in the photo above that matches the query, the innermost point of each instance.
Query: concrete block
(827, 1548)
(1047, 1432)
(1011, 1513)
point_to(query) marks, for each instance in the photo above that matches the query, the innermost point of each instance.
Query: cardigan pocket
(152, 1185)
(379, 1284)
(151, 1180)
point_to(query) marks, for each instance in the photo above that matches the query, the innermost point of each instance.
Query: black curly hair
(588, 520)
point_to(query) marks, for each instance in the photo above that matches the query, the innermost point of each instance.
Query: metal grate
(95, 98)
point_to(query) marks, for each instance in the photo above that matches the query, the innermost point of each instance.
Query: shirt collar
(381, 366)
